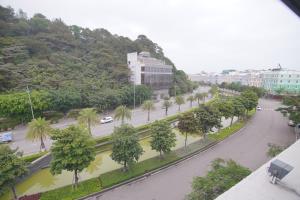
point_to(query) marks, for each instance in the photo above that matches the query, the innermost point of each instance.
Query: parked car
(258, 108)
(291, 123)
(6, 137)
(106, 120)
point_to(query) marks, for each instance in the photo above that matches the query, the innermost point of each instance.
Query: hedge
(31, 158)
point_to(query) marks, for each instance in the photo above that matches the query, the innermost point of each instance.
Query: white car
(6, 137)
(258, 108)
(106, 120)
(291, 123)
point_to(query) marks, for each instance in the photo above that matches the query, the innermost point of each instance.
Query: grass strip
(225, 132)
(32, 157)
(68, 193)
(114, 177)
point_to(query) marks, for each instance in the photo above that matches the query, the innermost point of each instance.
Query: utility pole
(30, 102)
(134, 88)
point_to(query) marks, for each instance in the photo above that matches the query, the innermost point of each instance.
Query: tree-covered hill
(51, 56)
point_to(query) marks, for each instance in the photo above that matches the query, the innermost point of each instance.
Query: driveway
(248, 147)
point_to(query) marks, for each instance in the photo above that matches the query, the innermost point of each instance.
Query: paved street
(139, 118)
(248, 147)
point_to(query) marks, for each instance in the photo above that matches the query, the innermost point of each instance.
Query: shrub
(53, 116)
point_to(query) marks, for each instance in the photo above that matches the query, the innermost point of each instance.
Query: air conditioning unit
(278, 170)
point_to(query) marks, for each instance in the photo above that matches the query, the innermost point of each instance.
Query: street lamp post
(134, 88)
(30, 102)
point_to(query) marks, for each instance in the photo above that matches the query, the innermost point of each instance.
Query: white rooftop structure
(257, 185)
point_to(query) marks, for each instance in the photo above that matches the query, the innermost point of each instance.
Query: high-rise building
(150, 71)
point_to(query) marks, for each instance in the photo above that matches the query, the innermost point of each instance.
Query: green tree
(126, 148)
(207, 118)
(179, 100)
(12, 167)
(238, 108)
(148, 106)
(39, 129)
(162, 137)
(214, 90)
(122, 112)
(187, 124)
(249, 100)
(166, 105)
(191, 99)
(88, 117)
(222, 176)
(291, 108)
(65, 99)
(199, 97)
(226, 109)
(280, 90)
(205, 94)
(17, 106)
(73, 150)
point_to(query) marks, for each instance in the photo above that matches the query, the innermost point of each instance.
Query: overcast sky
(196, 35)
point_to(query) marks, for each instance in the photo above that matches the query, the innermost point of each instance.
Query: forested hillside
(88, 66)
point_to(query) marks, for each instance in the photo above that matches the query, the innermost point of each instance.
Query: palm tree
(88, 117)
(39, 129)
(198, 96)
(204, 95)
(148, 105)
(179, 100)
(166, 105)
(122, 112)
(191, 99)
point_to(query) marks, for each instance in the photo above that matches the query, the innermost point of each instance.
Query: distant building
(250, 78)
(287, 80)
(151, 72)
(271, 80)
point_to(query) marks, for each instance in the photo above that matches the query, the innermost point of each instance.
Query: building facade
(273, 80)
(281, 79)
(151, 72)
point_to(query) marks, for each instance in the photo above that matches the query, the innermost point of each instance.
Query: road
(248, 147)
(139, 117)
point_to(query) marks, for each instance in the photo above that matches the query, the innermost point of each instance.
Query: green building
(281, 80)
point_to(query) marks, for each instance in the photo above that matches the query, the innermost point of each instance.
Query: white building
(250, 78)
(151, 72)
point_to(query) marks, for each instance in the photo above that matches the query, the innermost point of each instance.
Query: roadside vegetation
(126, 150)
(222, 176)
(274, 150)
(68, 67)
(291, 108)
(241, 88)
(12, 167)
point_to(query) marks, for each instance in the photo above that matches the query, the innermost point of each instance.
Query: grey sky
(196, 35)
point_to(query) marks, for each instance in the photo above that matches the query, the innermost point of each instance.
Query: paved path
(139, 118)
(248, 147)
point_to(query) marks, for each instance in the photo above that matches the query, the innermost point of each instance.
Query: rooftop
(257, 185)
